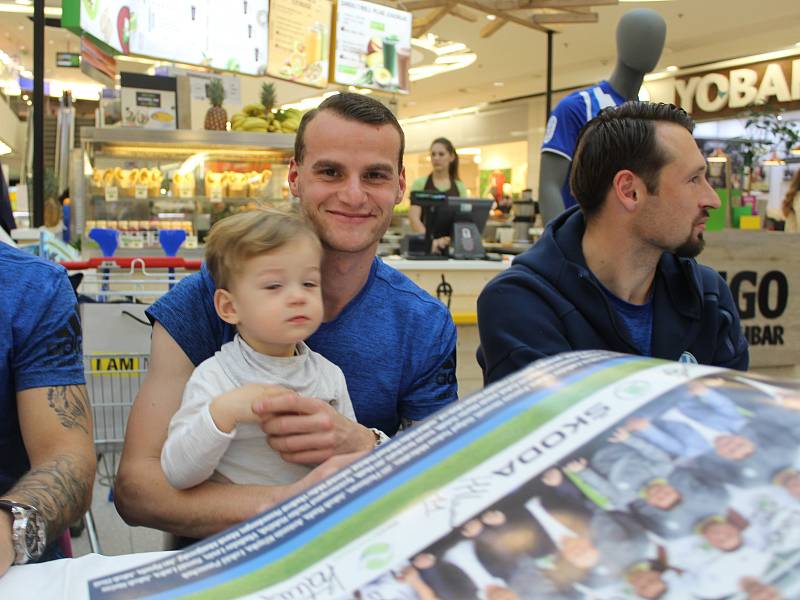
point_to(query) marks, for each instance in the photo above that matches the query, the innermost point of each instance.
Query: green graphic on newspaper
(589, 475)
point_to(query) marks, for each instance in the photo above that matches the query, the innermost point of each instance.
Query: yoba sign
(730, 90)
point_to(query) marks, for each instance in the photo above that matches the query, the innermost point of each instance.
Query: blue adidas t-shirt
(566, 120)
(394, 343)
(40, 344)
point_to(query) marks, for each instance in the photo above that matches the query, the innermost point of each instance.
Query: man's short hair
(355, 107)
(621, 137)
(235, 239)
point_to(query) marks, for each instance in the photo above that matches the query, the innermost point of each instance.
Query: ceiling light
(27, 9)
(498, 84)
(468, 151)
(491, 17)
(718, 156)
(470, 110)
(25, 2)
(774, 160)
(29, 103)
(10, 88)
(25, 97)
(671, 68)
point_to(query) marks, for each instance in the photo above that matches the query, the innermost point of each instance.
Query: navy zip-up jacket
(549, 301)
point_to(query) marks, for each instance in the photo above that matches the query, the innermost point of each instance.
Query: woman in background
(443, 179)
(791, 205)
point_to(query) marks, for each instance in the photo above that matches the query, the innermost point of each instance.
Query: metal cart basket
(113, 294)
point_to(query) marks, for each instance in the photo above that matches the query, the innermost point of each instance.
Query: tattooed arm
(56, 426)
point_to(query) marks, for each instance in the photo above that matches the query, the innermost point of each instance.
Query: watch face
(35, 535)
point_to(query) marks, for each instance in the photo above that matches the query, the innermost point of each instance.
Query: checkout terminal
(463, 219)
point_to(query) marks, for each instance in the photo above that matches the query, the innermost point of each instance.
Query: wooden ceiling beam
(492, 26)
(422, 25)
(421, 4)
(556, 4)
(501, 14)
(572, 3)
(459, 12)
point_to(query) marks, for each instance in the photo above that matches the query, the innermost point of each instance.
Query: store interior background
(493, 110)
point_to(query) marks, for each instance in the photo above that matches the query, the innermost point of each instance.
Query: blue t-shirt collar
(354, 303)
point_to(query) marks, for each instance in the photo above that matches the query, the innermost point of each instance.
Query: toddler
(266, 267)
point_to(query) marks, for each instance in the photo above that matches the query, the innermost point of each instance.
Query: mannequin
(640, 40)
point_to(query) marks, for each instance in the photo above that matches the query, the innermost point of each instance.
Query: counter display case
(140, 181)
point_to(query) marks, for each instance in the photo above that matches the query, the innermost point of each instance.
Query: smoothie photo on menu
(390, 56)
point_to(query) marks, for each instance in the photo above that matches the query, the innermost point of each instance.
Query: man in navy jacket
(618, 272)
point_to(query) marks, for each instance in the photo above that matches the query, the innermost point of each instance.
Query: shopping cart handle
(150, 262)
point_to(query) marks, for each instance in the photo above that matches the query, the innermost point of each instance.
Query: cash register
(463, 219)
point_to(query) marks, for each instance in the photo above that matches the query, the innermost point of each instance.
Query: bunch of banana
(255, 118)
(288, 120)
(252, 118)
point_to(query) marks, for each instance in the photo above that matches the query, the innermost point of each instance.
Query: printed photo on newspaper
(589, 475)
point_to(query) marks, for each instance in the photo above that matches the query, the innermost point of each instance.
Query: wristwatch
(380, 437)
(28, 531)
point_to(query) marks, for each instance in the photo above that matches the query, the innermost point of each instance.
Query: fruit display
(126, 181)
(262, 116)
(233, 184)
(183, 184)
(216, 116)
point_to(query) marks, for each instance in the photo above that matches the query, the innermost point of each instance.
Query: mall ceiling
(511, 61)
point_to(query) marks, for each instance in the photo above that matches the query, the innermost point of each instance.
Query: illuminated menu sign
(222, 35)
(299, 40)
(373, 46)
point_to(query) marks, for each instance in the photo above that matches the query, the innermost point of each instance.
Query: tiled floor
(113, 534)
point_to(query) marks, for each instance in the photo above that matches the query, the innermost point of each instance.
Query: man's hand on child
(308, 430)
(236, 406)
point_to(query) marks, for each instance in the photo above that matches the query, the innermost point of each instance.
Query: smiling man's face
(349, 181)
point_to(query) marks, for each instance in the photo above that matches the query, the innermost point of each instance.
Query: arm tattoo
(60, 489)
(71, 405)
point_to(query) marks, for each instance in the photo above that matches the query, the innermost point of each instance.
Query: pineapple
(268, 96)
(216, 117)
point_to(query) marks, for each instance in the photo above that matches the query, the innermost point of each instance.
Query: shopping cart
(113, 294)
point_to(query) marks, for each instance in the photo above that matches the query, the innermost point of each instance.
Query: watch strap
(380, 437)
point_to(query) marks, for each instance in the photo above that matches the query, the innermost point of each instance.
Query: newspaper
(590, 475)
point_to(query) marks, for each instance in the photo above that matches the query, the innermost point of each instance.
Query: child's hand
(236, 406)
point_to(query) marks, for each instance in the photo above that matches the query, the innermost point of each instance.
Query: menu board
(373, 46)
(223, 35)
(299, 40)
